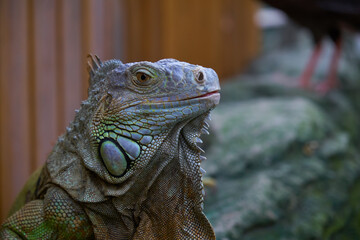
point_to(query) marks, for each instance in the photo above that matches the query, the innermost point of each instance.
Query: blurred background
(283, 162)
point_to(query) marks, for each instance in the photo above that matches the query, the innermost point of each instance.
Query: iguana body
(128, 166)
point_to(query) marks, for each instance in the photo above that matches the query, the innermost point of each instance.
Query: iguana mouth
(179, 99)
(204, 95)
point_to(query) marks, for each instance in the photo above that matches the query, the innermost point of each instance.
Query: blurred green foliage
(286, 161)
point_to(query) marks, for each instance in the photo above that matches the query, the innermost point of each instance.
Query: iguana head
(140, 104)
(145, 123)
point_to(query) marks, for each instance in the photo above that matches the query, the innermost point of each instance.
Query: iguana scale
(128, 166)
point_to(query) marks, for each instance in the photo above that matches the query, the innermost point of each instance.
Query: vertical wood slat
(72, 59)
(3, 24)
(45, 78)
(229, 36)
(15, 138)
(59, 68)
(133, 30)
(92, 34)
(85, 33)
(152, 34)
(253, 39)
(96, 32)
(168, 35)
(31, 82)
(112, 29)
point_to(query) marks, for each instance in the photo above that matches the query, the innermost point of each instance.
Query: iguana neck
(165, 198)
(171, 206)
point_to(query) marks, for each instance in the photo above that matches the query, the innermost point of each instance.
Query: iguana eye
(142, 77)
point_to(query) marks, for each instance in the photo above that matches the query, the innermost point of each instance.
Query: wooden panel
(3, 24)
(189, 31)
(238, 36)
(144, 30)
(14, 99)
(94, 19)
(43, 78)
(114, 29)
(217, 33)
(229, 37)
(92, 24)
(253, 39)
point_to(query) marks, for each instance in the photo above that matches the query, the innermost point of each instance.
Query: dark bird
(323, 18)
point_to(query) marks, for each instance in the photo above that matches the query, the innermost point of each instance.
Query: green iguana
(128, 166)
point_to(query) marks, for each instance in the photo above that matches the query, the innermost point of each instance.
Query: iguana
(128, 166)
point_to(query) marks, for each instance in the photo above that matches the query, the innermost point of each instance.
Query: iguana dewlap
(128, 166)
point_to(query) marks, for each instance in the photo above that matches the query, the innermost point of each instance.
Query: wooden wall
(43, 49)
(216, 33)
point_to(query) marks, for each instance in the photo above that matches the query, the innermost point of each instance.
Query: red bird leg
(310, 67)
(332, 80)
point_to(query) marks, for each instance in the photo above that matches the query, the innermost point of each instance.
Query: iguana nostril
(200, 77)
